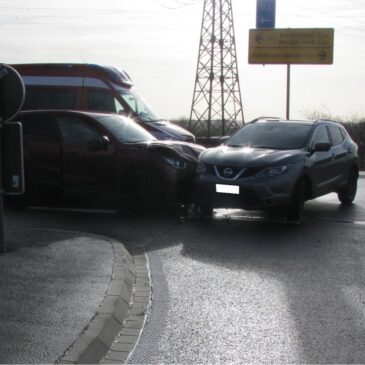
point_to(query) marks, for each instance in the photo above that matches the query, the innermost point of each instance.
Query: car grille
(234, 172)
(237, 172)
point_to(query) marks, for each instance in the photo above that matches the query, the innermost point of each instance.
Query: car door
(42, 152)
(322, 173)
(88, 157)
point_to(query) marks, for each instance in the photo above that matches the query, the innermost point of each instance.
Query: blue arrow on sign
(265, 13)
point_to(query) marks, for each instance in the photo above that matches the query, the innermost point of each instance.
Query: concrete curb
(125, 343)
(114, 331)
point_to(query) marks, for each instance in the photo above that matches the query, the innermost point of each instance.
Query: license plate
(227, 189)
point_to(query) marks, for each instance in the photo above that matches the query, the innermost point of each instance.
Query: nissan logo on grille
(228, 172)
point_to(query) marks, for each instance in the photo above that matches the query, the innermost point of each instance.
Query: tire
(294, 211)
(145, 191)
(347, 195)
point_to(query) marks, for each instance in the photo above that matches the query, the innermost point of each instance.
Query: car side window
(343, 132)
(74, 130)
(41, 127)
(320, 136)
(336, 135)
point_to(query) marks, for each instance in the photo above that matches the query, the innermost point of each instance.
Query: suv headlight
(176, 163)
(273, 171)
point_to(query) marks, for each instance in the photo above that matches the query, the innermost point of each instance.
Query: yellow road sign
(291, 46)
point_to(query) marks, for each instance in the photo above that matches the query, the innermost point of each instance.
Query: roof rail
(265, 118)
(326, 120)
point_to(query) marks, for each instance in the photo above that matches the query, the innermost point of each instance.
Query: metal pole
(288, 92)
(3, 247)
(211, 76)
(221, 77)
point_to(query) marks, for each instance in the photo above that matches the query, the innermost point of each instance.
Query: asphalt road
(249, 288)
(243, 286)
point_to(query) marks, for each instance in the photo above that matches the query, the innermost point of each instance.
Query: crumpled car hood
(249, 157)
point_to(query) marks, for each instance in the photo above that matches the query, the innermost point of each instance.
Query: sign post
(12, 94)
(295, 46)
(287, 115)
(303, 46)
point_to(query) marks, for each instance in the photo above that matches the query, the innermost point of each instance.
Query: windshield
(138, 105)
(278, 136)
(124, 129)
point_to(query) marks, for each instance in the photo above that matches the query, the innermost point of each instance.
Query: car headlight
(273, 171)
(176, 163)
(201, 169)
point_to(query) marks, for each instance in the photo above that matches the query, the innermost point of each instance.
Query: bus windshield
(140, 107)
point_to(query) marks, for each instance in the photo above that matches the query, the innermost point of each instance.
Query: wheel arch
(308, 186)
(355, 168)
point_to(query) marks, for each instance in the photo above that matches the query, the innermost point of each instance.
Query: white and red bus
(93, 88)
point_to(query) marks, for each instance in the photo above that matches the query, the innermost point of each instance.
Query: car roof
(293, 121)
(63, 111)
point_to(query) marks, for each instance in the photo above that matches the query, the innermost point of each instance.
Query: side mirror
(322, 147)
(99, 144)
(105, 142)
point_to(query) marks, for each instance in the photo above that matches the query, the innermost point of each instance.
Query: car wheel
(145, 191)
(294, 212)
(347, 194)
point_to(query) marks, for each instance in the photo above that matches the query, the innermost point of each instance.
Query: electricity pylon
(217, 105)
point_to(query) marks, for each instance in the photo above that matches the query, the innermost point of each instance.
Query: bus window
(101, 100)
(46, 98)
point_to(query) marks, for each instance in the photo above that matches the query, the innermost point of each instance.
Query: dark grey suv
(273, 163)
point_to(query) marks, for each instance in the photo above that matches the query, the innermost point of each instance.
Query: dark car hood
(184, 149)
(249, 157)
(190, 151)
(171, 129)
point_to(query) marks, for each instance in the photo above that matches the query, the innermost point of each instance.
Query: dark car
(272, 163)
(83, 152)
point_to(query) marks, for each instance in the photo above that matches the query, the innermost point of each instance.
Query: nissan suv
(274, 163)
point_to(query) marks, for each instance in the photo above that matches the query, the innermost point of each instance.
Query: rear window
(336, 135)
(43, 98)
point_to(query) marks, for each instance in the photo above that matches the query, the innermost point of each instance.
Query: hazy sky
(157, 42)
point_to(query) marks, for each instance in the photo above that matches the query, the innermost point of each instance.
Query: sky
(157, 43)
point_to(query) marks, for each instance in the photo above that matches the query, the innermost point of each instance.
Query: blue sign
(265, 13)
